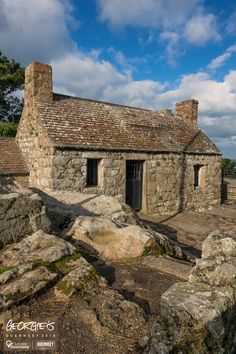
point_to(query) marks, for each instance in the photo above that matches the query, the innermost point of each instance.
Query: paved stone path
(190, 228)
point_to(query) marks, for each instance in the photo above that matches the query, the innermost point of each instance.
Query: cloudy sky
(145, 53)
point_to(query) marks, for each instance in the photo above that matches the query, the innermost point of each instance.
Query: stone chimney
(188, 110)
(38, 82)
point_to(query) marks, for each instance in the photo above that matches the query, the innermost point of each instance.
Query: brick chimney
(188, 110)
(38, 82)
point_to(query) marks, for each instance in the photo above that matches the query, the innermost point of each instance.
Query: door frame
(144, 182)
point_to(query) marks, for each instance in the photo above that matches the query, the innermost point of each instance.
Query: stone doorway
(134, 183)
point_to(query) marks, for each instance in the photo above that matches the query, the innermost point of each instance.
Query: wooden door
(134, 183)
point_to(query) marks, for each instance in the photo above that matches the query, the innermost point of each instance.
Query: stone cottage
(154, 161)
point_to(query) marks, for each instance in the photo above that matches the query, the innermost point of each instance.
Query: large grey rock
(218, 245)
(15, 272)
(76, 203)
(26, 285)
(196, 318)
(110, 240)
(215, 271)
(21, 215)
(39, 246)
(199, 316)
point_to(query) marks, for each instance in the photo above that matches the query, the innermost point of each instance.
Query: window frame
(199, 176)
(92, 176)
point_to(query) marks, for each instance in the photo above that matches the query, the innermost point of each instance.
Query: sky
(142, 53)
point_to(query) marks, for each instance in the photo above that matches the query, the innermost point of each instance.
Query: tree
(229, 168)
(11, 80)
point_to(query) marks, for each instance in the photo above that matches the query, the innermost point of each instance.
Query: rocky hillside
(90, 263)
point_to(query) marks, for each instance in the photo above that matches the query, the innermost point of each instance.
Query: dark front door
(134, 183)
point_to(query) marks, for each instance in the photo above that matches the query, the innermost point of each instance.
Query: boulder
(15, 272)
(26, 285)
(38, 247)
(198, 316)
(21, 215)
(109, 239)
(215, 271)
(76, 203)
(218, 245)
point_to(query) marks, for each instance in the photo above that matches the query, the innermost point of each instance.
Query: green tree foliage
(229, 168)
(11, 80)
(8, 129)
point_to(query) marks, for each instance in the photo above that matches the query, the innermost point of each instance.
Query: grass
(61, 266)
(67, 288)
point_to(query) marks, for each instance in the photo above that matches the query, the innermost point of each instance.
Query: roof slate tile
(82, 123)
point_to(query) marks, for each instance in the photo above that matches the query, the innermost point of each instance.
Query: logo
(30, 335)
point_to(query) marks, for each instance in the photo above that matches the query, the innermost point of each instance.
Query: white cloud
(231, 23)
(221, 59)
(135, 93)
(146, 13)
(85, 75)
(40, 32)
(34, 30)
(201, 28)
(172, 40)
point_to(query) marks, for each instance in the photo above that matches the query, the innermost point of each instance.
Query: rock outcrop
(30, 265)
(199, 316)
(21, 215)
(37, 247)
(109, 239)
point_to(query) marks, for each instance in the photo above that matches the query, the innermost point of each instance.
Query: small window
(196, 175)
(92, 172)
(199, 176)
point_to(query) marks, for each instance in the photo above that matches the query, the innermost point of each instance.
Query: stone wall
(36, 148)
(31, 137)
(168, 184)
(198, 316)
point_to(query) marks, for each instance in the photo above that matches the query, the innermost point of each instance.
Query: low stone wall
(199, 316)
(21, 215)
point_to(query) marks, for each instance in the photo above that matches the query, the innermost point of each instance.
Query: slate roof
(81, 123)
(11, 159)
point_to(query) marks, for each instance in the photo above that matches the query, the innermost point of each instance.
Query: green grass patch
(67, 288)
(8, 130)
(62, 266)
(18, 296)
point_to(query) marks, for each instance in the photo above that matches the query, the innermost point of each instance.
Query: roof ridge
(104, 102)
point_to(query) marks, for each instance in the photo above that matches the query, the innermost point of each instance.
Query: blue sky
(146, 53)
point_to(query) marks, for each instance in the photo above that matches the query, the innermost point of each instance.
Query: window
(196, 175)
(92, 172)
(199, 176)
